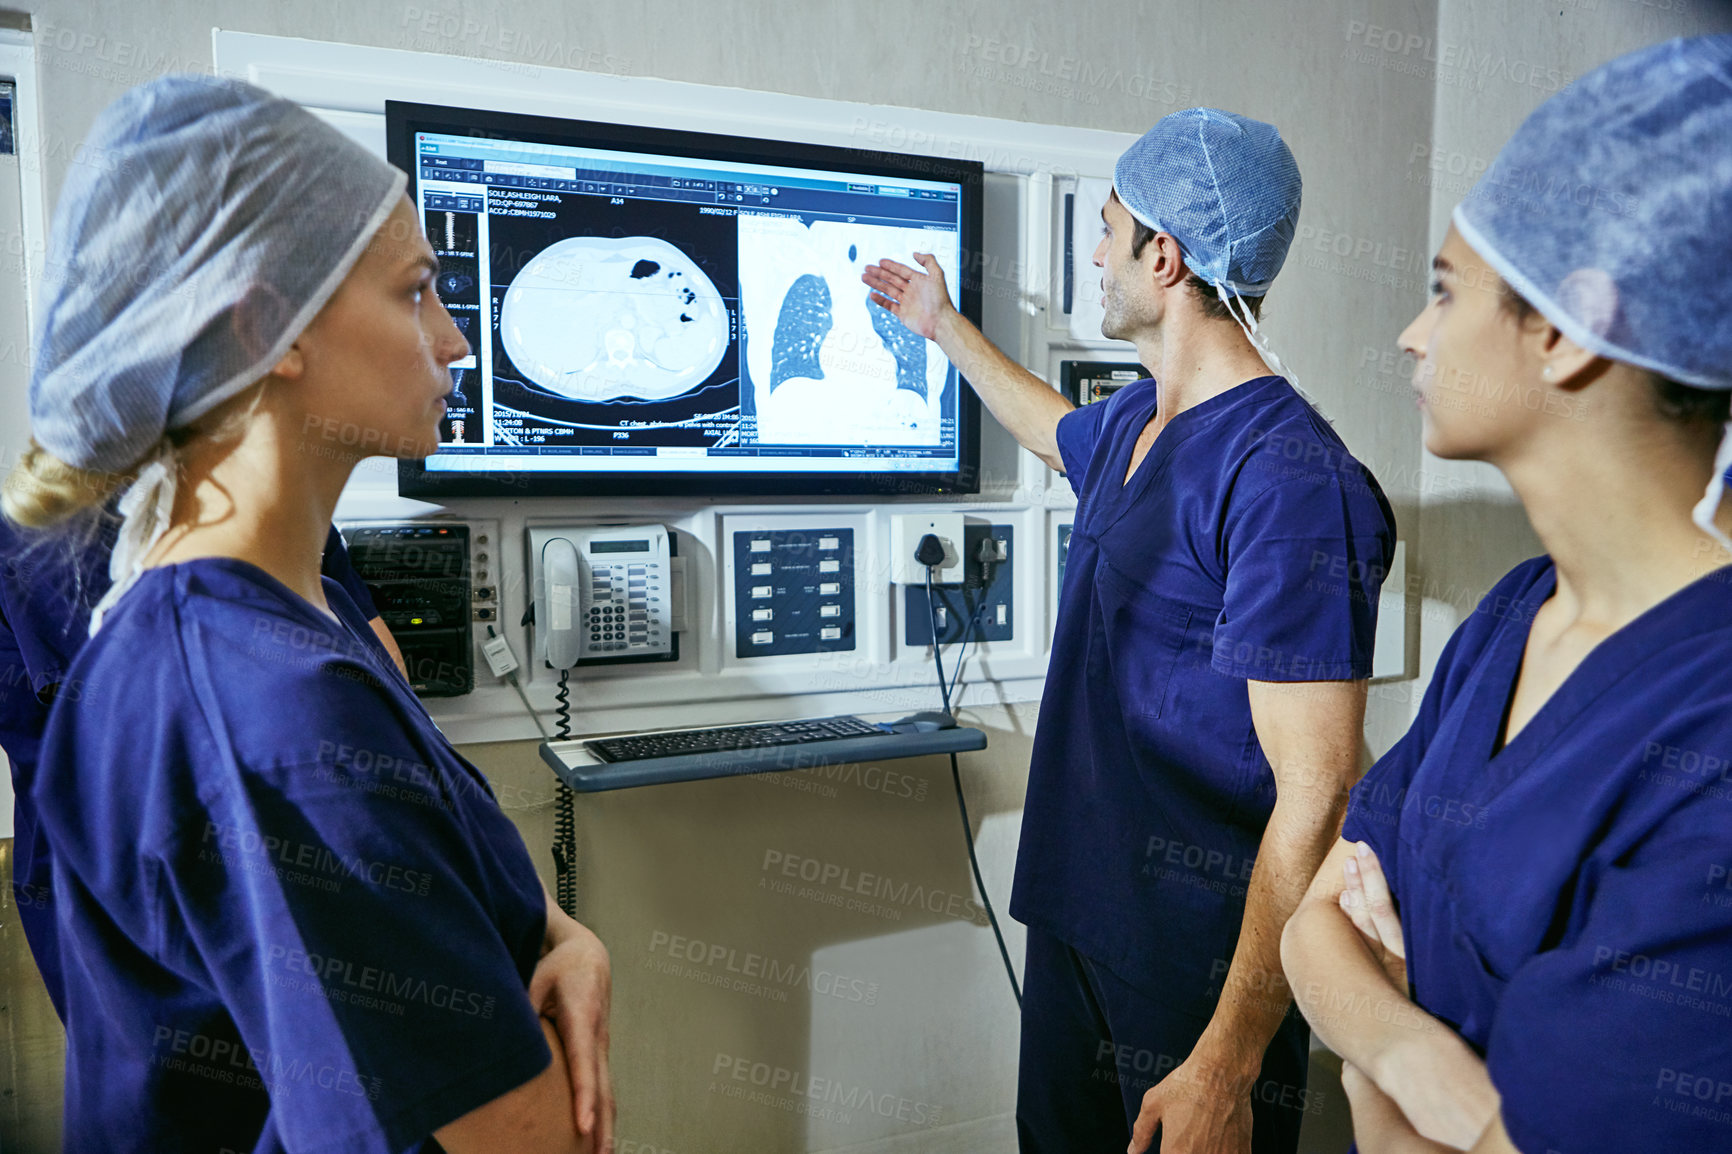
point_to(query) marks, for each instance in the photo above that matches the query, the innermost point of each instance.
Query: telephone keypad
(628, 610)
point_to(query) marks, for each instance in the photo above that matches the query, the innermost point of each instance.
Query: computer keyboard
(641, 747)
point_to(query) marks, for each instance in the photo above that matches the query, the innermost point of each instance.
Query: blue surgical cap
(1224, 186)
(1610, 210)
(206, 225)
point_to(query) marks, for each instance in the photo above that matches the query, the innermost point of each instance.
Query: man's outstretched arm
(1024, 404)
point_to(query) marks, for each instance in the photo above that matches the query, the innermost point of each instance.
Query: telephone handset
(606, 593)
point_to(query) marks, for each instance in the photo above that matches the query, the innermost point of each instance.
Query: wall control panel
(793, 591)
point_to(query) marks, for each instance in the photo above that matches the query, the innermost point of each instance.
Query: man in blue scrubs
(46, 596)
(1202, 717)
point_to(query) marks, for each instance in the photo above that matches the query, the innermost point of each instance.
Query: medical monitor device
(662, 312)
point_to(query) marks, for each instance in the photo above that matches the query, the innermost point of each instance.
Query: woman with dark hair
(1523, 940)
(290, 915)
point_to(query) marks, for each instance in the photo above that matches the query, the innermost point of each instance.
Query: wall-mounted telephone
(606, 594)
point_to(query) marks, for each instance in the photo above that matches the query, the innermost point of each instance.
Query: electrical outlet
(906, 530)
(983, 606)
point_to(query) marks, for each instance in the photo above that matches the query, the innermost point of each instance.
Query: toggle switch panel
(793, 591)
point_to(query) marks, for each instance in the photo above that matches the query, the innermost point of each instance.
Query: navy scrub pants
(1092, 1045)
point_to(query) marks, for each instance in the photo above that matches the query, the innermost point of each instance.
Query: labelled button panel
(803, 581)
(628, 609)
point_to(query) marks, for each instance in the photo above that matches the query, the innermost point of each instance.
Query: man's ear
(1168, 268)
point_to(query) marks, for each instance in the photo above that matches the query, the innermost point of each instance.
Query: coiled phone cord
(564, 813)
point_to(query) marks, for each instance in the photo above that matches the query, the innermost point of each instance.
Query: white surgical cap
(210, 224)
(1227, 188)
(201, 194)
(1610, 210)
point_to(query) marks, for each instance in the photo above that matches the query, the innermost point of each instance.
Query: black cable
(971, 628)
(937, 649)
(956, 777)
(944, 689)
(564, 813)
(985, 901)
(968, 633)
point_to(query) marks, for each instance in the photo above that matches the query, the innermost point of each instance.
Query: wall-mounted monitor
(654, 312)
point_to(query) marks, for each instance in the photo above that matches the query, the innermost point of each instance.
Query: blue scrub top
(46, 595)
(1248, 545)
(47, 592)
(292, 917)
(1565, 899)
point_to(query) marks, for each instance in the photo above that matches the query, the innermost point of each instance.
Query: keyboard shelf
(586, 773)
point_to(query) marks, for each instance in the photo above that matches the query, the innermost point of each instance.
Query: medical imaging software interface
(630, 312)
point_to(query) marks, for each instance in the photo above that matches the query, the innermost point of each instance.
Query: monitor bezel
(403, 119)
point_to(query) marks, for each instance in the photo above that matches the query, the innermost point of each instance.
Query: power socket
(979, 608)
(906, 530)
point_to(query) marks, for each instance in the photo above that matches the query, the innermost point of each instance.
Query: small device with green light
(418, 573)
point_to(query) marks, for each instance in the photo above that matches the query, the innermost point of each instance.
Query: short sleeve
(1304, 565)
(1079, 432)
(336, 566)
(1374, 806)
(369, 919)
(1621, 1040)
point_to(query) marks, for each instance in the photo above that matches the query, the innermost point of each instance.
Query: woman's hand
(572, 987)
(1369, 904)
(1440, 1085)
(1437, 1083)
(1379, 1126)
